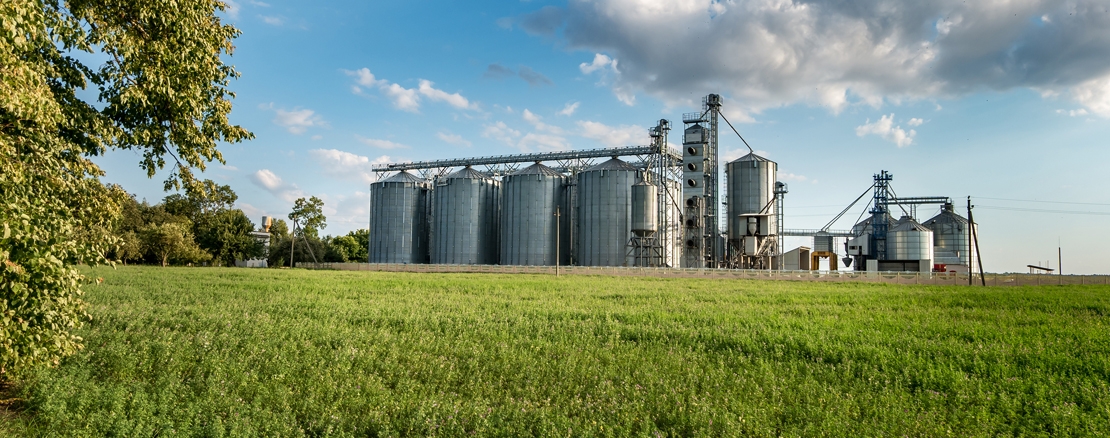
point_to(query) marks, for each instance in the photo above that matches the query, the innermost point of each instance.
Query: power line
(1045, 202)
(1039, 210)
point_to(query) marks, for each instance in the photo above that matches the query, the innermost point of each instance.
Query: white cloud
(624, 135)
(791, 177)
(252, 212)
(454, 139)
(273, 21)
(885, 128)
(272, 183)
(317, 137)
(229, 167)
(380, 144)
(600, 63)
(454, 99)
(404, 99)
(768, 53)
(569, 109)
(915, 122)
(258, 3)
(501, 132)
(407, 99)
(537, 122)
(344, 165)
(296, 121)
(542, 142)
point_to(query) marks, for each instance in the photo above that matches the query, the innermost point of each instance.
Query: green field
(237, 352)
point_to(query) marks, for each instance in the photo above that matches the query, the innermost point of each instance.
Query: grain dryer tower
(700, 186)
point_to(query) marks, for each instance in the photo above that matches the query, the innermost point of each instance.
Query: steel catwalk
(528, 223)
(605, 213)
(399, 220)
(465, 216)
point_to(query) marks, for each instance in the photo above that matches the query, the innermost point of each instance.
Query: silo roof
(908, 224)
(537, 169)
(404, 177)
(468, 173)
(612, 164)
(751, 157)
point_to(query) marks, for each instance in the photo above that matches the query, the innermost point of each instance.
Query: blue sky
(1001, 100)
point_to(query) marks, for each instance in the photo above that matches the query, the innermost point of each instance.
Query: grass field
(237, 352)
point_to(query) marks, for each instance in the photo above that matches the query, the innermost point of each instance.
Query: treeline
(198, 228)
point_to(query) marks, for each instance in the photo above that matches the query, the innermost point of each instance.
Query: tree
(361, 252)
(172, 241)
(226, 234)
(279, 228)
(162, 89)
(309, 216)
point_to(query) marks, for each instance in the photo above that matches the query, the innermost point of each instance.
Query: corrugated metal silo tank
(605, 213)
(528, 223)
(466, 210)
(909, 240)
(645, 200)
(751, 190)
(951, 243)
(399, 219)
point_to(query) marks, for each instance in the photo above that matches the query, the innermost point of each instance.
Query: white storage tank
(909, 240)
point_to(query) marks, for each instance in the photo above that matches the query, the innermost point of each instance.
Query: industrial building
(641, 206)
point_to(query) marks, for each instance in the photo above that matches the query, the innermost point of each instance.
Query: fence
(833, 276)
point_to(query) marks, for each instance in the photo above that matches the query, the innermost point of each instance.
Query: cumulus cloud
(272, 183)
(380, 144)
(297, 120)
(885, 128)
(767, 53)
(624, 135)
(501, 132)
(345, 165)
(407, 99)
(543, 143)
(915, 122)
(454, 139)
(569, 109)
(273, 21)
(538, 123)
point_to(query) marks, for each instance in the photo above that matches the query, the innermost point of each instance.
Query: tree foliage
(161, 90)
(308, 216)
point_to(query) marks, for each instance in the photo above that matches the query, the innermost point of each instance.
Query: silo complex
(605, 213)
(529, 226)
(465, 217)
(398, 220)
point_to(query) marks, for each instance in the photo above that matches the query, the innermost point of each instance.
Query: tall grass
(236, 352)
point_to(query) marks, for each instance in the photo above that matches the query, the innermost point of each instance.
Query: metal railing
(830, 276)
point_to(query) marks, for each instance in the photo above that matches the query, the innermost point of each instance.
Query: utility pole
(1059, 258)
(975, 237)
(557, 240)
(292, 243)
(970, 266)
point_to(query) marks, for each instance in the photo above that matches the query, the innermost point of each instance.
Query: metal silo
(399, 220)
(605, 213)
(909, 240)
(751, 190)
(528, 223)
(951, 243)
(644, 208)
(465, 215)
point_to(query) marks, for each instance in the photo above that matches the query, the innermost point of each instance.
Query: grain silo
(951, 241)
(530, 231)
(605, 213)
(399, 219)
(465, 217)
(752, 218)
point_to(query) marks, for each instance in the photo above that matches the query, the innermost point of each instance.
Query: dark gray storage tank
(605, 213)
(645, 198)
(465, 217)
(399, 219)
(530, 197)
